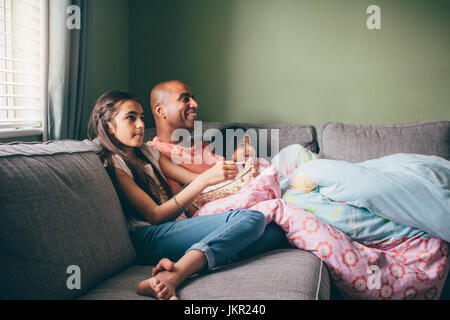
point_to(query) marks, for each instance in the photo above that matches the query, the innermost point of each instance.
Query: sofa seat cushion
(62, 229)
(284, 274)
(360, 142)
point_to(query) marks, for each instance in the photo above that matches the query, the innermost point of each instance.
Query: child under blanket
(286, 161)
(249, 167)
(198, 162)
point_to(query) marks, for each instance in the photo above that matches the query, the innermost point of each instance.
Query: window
(21, 105)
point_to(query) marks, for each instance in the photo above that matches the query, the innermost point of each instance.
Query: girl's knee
(258, 223)
(254, 218)
(258, 218)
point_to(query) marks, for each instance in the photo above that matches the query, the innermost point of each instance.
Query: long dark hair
(104, 112)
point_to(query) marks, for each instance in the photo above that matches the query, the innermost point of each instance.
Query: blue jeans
(223, 238)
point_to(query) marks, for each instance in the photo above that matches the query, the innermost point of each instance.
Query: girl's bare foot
(162, 283)
(159, 286)
(167, 275)
(163, 264)
(149, 287)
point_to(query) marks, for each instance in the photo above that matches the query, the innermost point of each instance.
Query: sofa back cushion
(360, 142)
(286, 134)
(60, 221)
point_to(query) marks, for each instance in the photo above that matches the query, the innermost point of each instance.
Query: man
(174, 107)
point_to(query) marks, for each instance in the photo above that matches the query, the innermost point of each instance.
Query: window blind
(20, 64)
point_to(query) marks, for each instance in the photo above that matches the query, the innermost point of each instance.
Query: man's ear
(159, 111)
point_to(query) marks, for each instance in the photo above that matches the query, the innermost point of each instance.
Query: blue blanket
(409, 189)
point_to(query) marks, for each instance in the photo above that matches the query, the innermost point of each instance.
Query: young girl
(152, 211)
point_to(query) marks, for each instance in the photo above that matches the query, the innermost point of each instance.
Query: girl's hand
(224, 170)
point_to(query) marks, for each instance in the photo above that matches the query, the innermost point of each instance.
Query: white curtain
(66, 71)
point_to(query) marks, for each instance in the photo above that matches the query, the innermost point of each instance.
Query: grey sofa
(63, 234)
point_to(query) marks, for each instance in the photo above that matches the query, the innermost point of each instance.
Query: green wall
(108, 62)
(308, 61)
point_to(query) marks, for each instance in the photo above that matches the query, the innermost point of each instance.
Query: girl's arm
(176, 172)
(168, 211)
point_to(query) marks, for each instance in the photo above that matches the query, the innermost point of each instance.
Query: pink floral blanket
(413, 269)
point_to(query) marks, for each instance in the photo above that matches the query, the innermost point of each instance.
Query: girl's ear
(159, 111)
(111, 127)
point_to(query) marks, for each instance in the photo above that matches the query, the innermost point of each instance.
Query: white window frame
(39, 131)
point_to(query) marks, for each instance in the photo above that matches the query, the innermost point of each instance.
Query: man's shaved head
(173, 107)
(160, 92)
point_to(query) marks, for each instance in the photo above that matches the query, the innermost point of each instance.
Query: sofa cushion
(286, 133)
(360, 142)
(284, 274)
(58, 208)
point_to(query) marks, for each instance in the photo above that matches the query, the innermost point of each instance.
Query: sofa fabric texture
(360, 142)
(58, 209)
